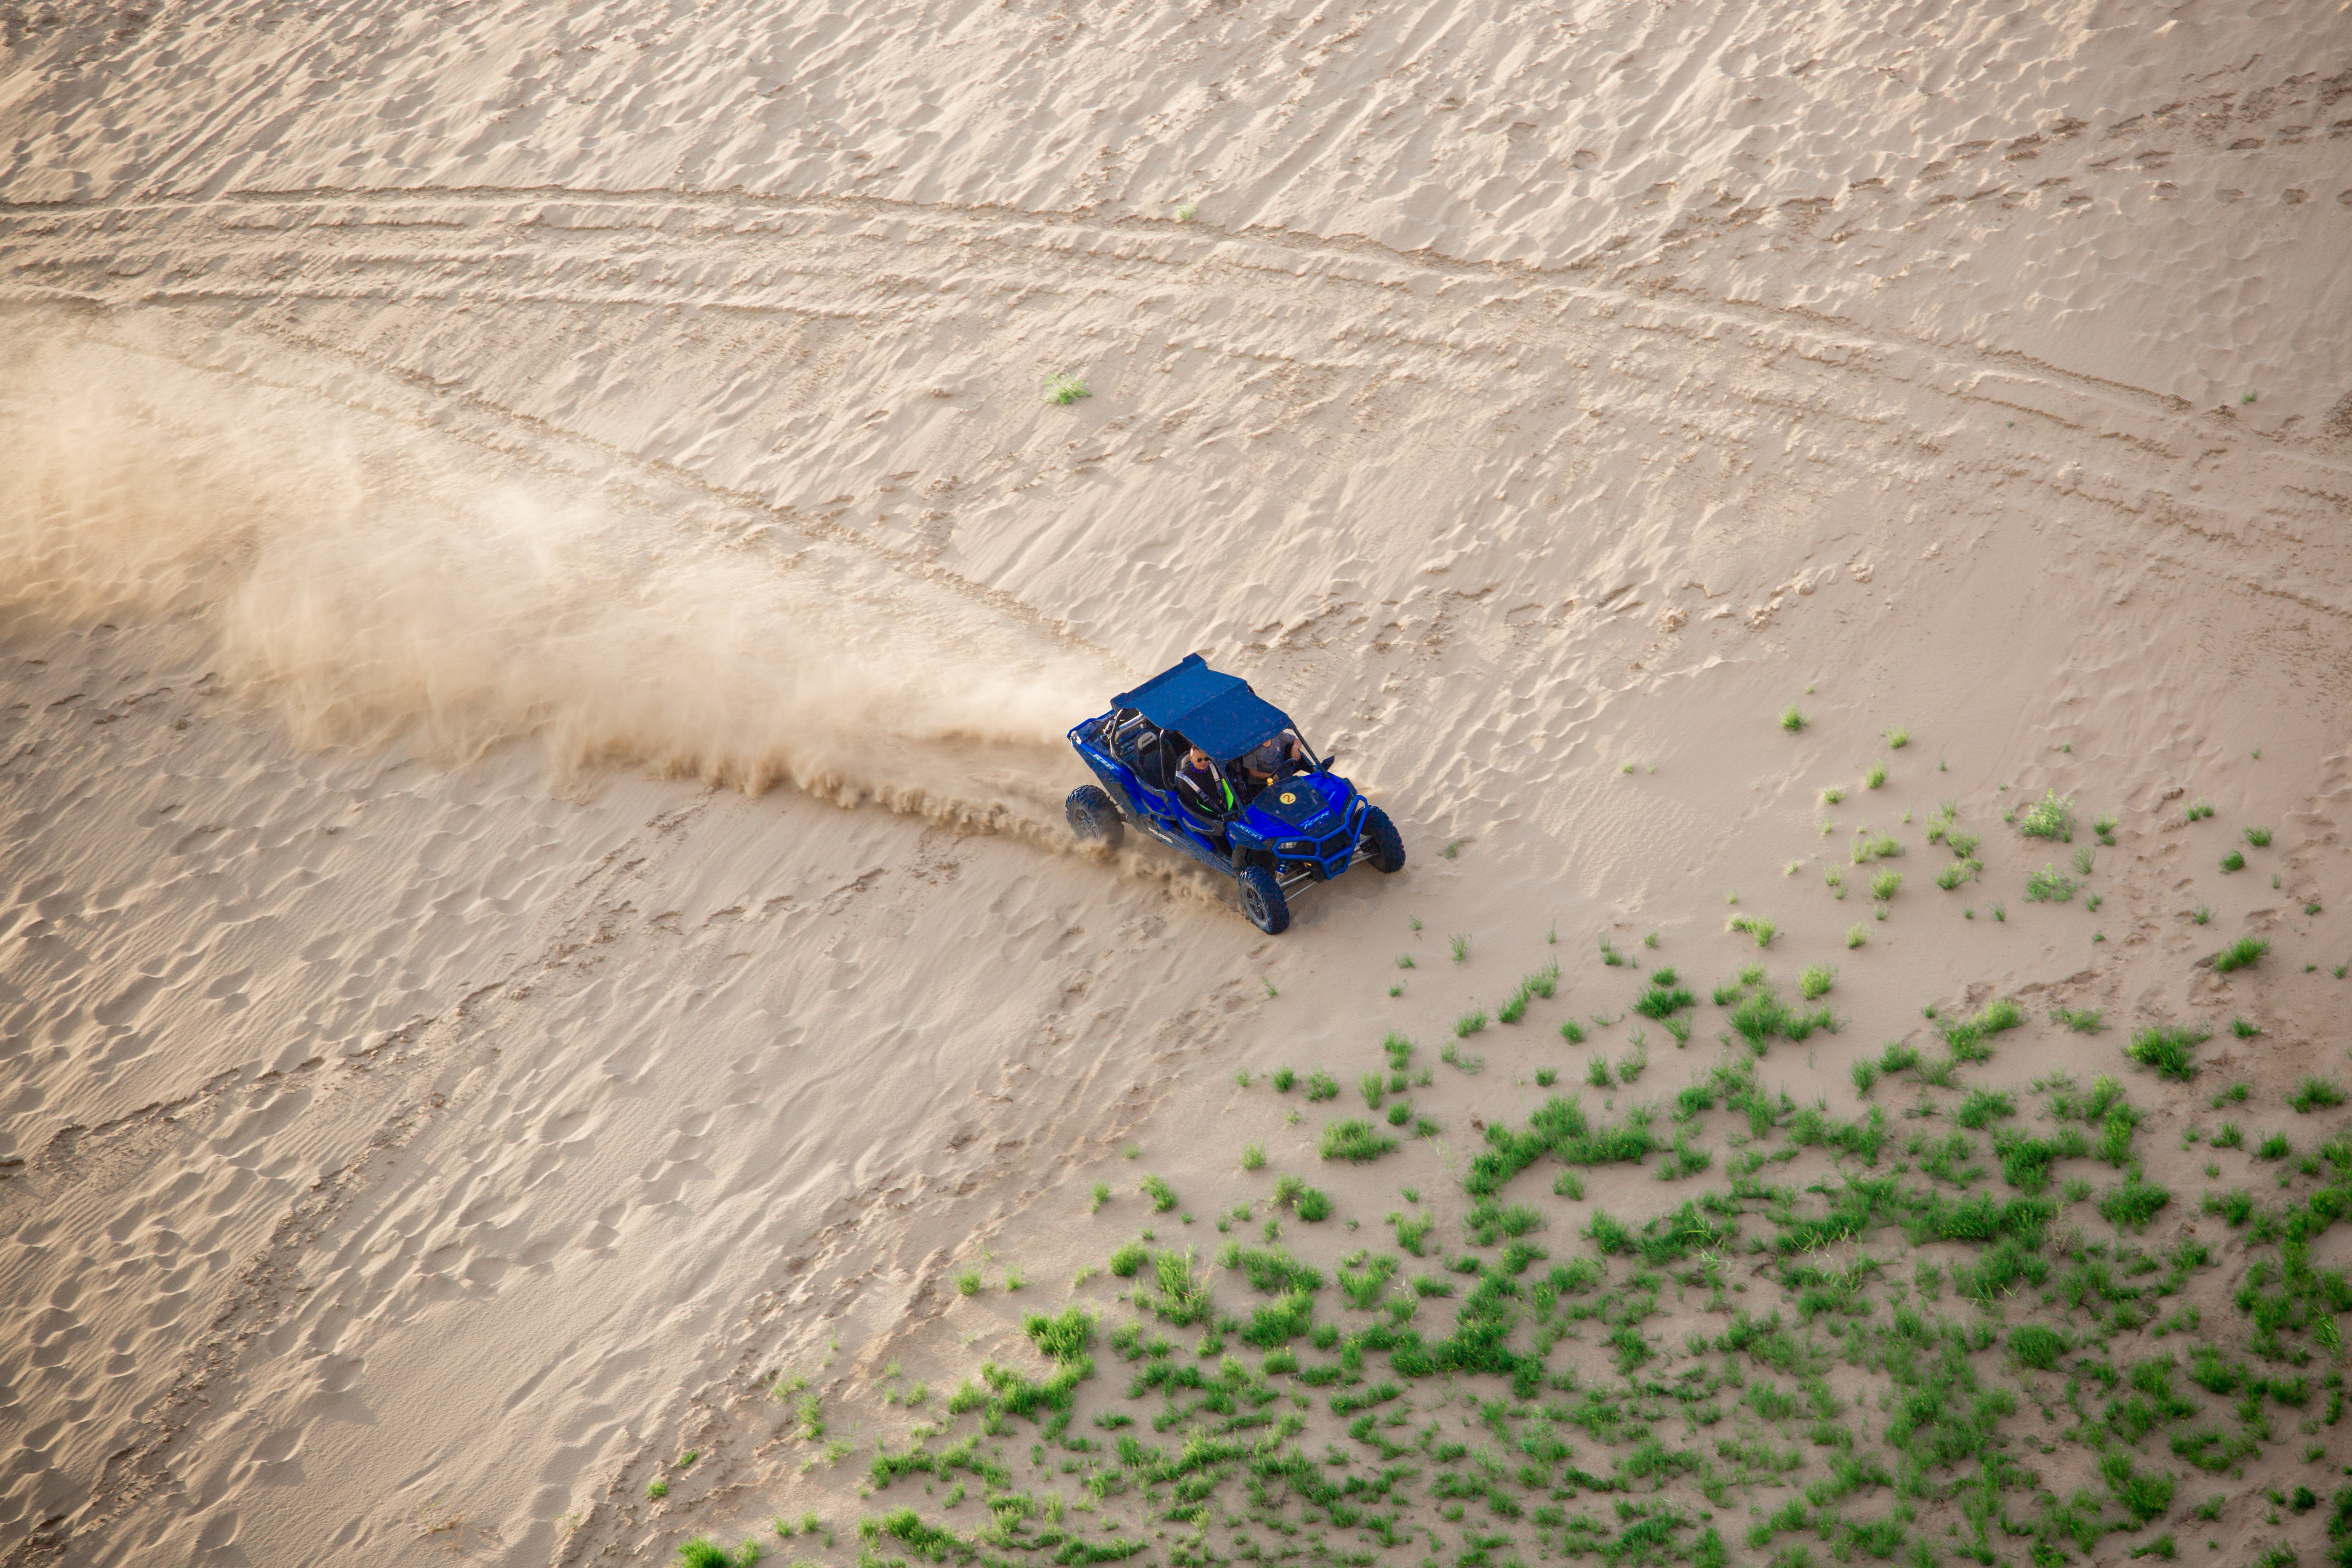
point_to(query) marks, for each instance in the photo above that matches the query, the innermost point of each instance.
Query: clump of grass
(2316, 1094)
(1596, 1072)
(1253, 1156)
(2084, 860)
(1836, 881)
(2243, 1030)
(1454, 1057)
(1404, 961)
(1898, 1058)
(1832, 795)
(2232, 861)
(2274, 1147)
(1155, 1188)
(1815, 981)
(1866, 849)
(2000, 912)
(1547, 1077)
(1573, 1032)
(2260, 838)
(1184, 211)
(1875, 777)
(2106, 828)
(2052, 816)
(1353, 1139)
(1856, 935)
(1883, 886)
(1282, 1080)
(1664, 997)
(1610, 956)
(1101, 1197)
(2168, 1049)
(1461, 946)
(2082, 1021)
(1898, 737)
(1469, 1024)
(1790, 720)
(2133, 1204)
(1865, 1074)
(2051, 886)
(1064, 389)
(968, 1282)
(1763, 931)
(2202, 914)
(1322, 1085)
(2198, 810)
(1966, 1037)
(1959, 871)
(2243, 954)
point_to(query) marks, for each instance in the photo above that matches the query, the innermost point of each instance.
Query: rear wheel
(1388, 844)
(1262, 901)
(1093, 817)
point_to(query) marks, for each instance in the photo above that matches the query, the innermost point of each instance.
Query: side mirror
(1330, 756)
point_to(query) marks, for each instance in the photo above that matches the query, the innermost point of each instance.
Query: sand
(540, 599)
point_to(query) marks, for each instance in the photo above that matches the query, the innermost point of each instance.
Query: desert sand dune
(540, 599)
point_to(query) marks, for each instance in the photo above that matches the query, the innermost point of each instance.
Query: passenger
(1205, 792)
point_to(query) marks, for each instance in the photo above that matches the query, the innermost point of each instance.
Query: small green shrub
(1865, 1074)
(2243, 954)
(2038, 1346)
(1283, 1079)
(2233, 861)
(1064, 388)
(1353, 1139)
(2260, 838)
(1855, 935)
(1127, 1258)
(2131, 1206)
(2198, 810)
(1898, 737)
(2050, 817)
(2051, 886)
(2168, 1049)
(2315, 1094)
(1162, 1195)
(1883, 886)
(1573, 1032)
(1790, 720)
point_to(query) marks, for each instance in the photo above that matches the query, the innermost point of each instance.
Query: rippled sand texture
(540, 599)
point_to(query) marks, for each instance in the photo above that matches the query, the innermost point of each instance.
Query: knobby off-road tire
(1094, 818)
(1262, 901)
(1388, 844)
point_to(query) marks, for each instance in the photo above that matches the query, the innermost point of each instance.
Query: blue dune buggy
(1307, 825)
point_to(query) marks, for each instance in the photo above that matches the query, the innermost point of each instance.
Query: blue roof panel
(1217, 712)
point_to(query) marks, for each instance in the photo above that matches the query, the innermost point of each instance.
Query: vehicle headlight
(1297, 846)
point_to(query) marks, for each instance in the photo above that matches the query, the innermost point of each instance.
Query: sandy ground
(540, 598)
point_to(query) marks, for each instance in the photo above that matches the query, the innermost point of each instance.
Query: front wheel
(1262, 901)
(1093, 817)
(1388, 844)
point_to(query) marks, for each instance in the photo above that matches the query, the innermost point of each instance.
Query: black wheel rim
(1254, 903)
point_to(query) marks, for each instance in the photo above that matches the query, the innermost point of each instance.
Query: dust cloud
(358, 580)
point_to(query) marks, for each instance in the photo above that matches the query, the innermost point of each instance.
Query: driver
(1204, 790)
(1275, 758)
